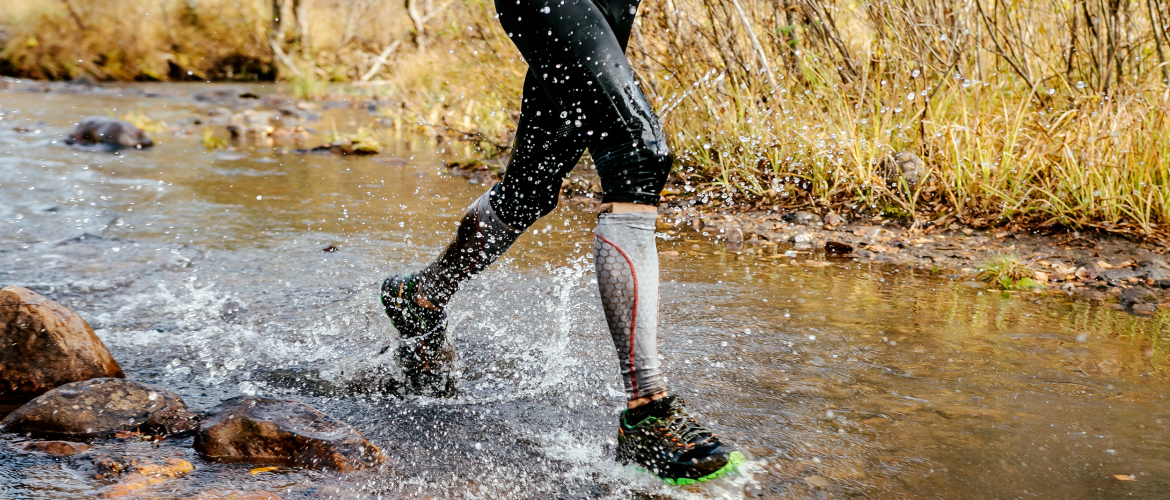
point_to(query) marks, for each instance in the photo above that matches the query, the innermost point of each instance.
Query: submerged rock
(234, 495)
(146, 475)
(100, 407)
(250, 429)
(734, 239)
(229, 96)
(55, 448)
(1138, 300)
(46, 345)
(110, 132)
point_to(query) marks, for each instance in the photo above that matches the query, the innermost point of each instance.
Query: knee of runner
(522, 213)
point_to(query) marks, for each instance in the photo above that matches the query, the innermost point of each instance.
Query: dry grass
(1038, 114)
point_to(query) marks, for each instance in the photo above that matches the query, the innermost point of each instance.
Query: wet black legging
(579, 92)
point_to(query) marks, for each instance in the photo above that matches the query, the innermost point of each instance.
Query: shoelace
(684, 431)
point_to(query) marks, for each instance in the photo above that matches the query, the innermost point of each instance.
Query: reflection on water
(204, 272)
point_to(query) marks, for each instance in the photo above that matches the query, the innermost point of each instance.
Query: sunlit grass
(1017, 123)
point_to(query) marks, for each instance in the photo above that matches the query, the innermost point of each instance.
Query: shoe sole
(733, 461)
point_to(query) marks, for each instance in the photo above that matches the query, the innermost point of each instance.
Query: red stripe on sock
(633, 314)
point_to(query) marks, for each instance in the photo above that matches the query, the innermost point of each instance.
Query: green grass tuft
(1008, 272)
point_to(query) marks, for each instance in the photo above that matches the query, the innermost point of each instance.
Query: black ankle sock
(657, 408)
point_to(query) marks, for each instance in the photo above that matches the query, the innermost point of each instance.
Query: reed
(1028, 114)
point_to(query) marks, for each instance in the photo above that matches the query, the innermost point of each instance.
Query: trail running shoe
(423, 350)
(409, 318)
(671, 445)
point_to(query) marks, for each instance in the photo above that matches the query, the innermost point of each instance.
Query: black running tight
(579, 93)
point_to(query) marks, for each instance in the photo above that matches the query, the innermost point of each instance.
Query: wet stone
(801, 241)
(55, 448)
(832, 219)
(234, 495)
(101, 407)
(801, 217)
(261, 430)
(46, 345)
(734, 238)
(225, 97)
(145, 476)
(108, 132)
(838, 248)
(1139, 299)
(1157, 270)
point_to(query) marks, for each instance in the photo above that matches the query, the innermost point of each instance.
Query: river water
(204, 272)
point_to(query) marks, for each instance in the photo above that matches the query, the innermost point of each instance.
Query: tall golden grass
(1039, 114)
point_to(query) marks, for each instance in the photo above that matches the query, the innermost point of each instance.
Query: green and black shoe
(424, 352)
(410, 319)
(671, 445)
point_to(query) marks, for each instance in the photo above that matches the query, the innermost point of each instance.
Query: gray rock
(832, 219)
(229, 96)
(1155, 269)
(734, 239)
(1089, 270)
(1121, 274)
(1137, 295)
(251, 122)
(107, 132)
(100, 407)
(248, 429)
(801, 241)
(801, 217)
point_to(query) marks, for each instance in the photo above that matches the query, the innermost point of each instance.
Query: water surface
(204, 272)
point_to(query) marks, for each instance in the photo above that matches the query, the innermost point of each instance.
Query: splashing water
(205, 273)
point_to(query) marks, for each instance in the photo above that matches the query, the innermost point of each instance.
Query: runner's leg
(576, 55)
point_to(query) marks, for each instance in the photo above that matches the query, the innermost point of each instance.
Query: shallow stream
(204, 272)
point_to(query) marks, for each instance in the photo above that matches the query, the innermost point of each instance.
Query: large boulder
(45, 345)
(100, 407)
(110, 133)
(250, 429)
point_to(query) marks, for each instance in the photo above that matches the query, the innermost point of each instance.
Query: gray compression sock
(626, 259)
(481, 239)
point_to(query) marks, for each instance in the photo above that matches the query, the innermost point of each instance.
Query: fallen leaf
(263, 469)
(1124, 477)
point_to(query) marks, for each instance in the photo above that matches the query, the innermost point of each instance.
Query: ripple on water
(204, 274)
